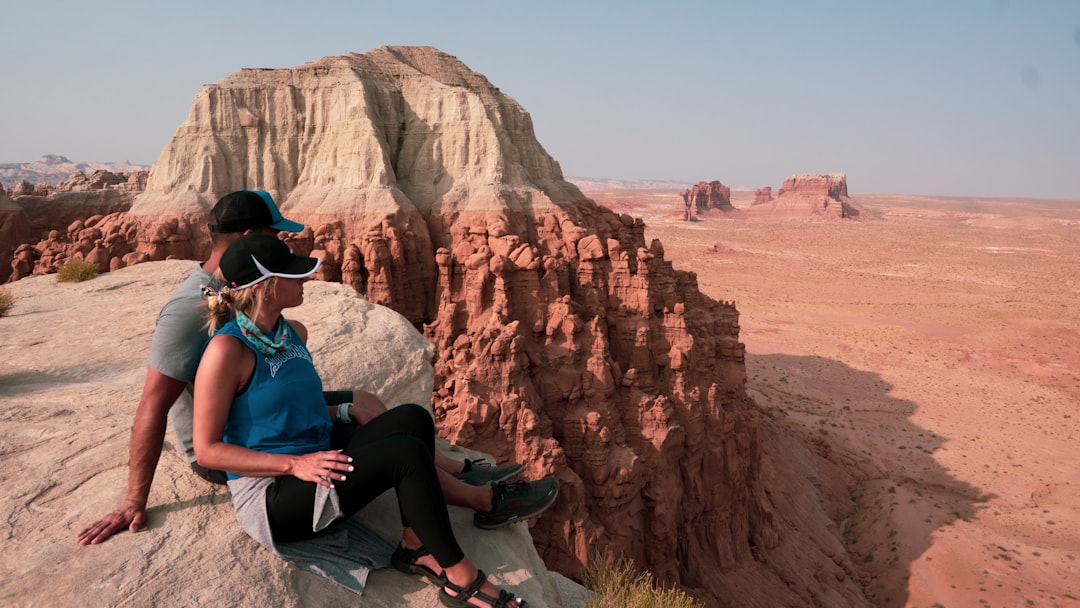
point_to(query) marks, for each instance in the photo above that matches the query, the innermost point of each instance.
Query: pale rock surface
(71, 371)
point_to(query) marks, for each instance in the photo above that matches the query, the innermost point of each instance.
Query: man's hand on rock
(128, 516)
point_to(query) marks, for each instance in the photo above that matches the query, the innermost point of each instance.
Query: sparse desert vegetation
(76, 270)
(7, 300)
(620, 584)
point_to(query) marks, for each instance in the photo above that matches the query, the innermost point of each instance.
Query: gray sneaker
(517, 501)
(482, 473)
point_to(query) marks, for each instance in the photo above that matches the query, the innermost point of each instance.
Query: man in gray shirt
(177, 344)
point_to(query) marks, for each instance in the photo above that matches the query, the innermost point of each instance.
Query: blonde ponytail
(223, 303)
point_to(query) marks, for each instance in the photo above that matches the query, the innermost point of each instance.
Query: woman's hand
(323, 468)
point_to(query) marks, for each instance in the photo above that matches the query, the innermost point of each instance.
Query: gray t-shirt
(179, 339)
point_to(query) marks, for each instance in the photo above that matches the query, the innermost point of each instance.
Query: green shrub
(7, 300)
(75, 270)
(621, 585)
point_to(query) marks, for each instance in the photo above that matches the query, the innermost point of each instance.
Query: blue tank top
(282, 410)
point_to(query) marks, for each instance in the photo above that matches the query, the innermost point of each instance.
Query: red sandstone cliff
(564, 340)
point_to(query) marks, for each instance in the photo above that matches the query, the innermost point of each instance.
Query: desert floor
(936, 352)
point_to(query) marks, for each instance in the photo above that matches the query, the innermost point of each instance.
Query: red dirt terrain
(934, 355)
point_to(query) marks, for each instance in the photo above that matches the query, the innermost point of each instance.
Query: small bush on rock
(621, 585)
(7, 300)
(76, 270)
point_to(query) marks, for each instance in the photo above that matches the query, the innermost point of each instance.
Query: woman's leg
(394, 450)
(290, 501)
(399, 446)
(289, 506)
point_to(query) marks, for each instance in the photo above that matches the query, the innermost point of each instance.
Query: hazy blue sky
(964, 97)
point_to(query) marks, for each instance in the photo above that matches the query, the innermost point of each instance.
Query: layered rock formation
(102, 179)
(85, 217)
(703, 196)
(815, 194)
(563, 339)
(763, 195)
(22, 188)
(820, 185)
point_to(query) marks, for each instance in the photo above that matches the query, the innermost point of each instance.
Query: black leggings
(394, 450)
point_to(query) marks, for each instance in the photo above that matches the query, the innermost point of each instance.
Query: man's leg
(495, 503)
(460, 494)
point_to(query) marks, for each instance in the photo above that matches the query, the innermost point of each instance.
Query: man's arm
(147, 436)
(366, 406)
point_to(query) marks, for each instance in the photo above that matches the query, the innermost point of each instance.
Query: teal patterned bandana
(263, 343)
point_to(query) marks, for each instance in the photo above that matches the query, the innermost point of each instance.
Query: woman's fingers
(324, 468)
(337, 461)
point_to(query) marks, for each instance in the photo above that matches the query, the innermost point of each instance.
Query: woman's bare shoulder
(300, 329)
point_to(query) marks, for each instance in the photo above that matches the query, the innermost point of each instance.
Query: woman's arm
(222, 370)
(225, 367)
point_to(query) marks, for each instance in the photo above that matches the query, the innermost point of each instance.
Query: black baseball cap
(249, 210)
(255, 257)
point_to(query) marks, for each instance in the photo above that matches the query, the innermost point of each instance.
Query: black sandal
(463, 594)
(405, 561)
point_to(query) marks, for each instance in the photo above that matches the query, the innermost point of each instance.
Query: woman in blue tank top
(260, 415)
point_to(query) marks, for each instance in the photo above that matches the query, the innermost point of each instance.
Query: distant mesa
(823, 195)
(831, 186)
(704, 196)
(806, 195)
